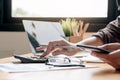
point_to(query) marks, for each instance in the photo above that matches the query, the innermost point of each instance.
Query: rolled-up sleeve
(110, 34)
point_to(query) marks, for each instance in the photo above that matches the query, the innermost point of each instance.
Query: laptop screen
(41, 33)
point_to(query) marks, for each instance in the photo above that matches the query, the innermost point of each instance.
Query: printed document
(13, 68)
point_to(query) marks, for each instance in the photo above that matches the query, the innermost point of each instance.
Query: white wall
(13, 43)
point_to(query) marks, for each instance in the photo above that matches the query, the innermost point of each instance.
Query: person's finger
(52, 46)
(55, 53)
(103, 57)
(112, 58)
(115, 55)
(65, 52)
(99, 55)
(48, 50)
(116, 52)
(39, 48)
(110, 46)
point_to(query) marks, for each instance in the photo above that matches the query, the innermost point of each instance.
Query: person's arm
(103, 36)
(95, 41)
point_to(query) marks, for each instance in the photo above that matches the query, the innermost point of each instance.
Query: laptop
(41, 33)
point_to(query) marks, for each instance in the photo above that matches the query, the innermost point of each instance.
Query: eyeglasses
(64, 62)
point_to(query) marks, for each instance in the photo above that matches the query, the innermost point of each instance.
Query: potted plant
(74, 29)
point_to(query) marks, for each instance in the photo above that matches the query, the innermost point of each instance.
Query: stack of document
(13, 68)
(60, 62)
(10, 67)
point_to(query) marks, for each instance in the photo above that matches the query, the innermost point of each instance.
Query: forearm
(95, 41)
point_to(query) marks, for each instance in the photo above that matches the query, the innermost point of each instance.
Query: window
(93, 11)
(59, 8)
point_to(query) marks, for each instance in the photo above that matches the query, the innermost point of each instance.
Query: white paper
(87, 57)
(13, 68)
(10, 67)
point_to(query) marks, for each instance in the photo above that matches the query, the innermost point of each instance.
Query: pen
(66, 65)
(71, 65)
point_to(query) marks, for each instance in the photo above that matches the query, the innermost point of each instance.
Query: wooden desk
(75, 39)
(103, 72)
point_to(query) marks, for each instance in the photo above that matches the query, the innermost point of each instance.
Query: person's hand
(112, 58)
(51, 48)
(111, 46)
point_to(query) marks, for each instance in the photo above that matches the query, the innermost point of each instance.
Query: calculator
(25, 59)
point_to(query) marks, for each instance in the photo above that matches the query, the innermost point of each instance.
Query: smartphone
(94, 48)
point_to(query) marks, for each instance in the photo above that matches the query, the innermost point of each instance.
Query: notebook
(42, 32)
